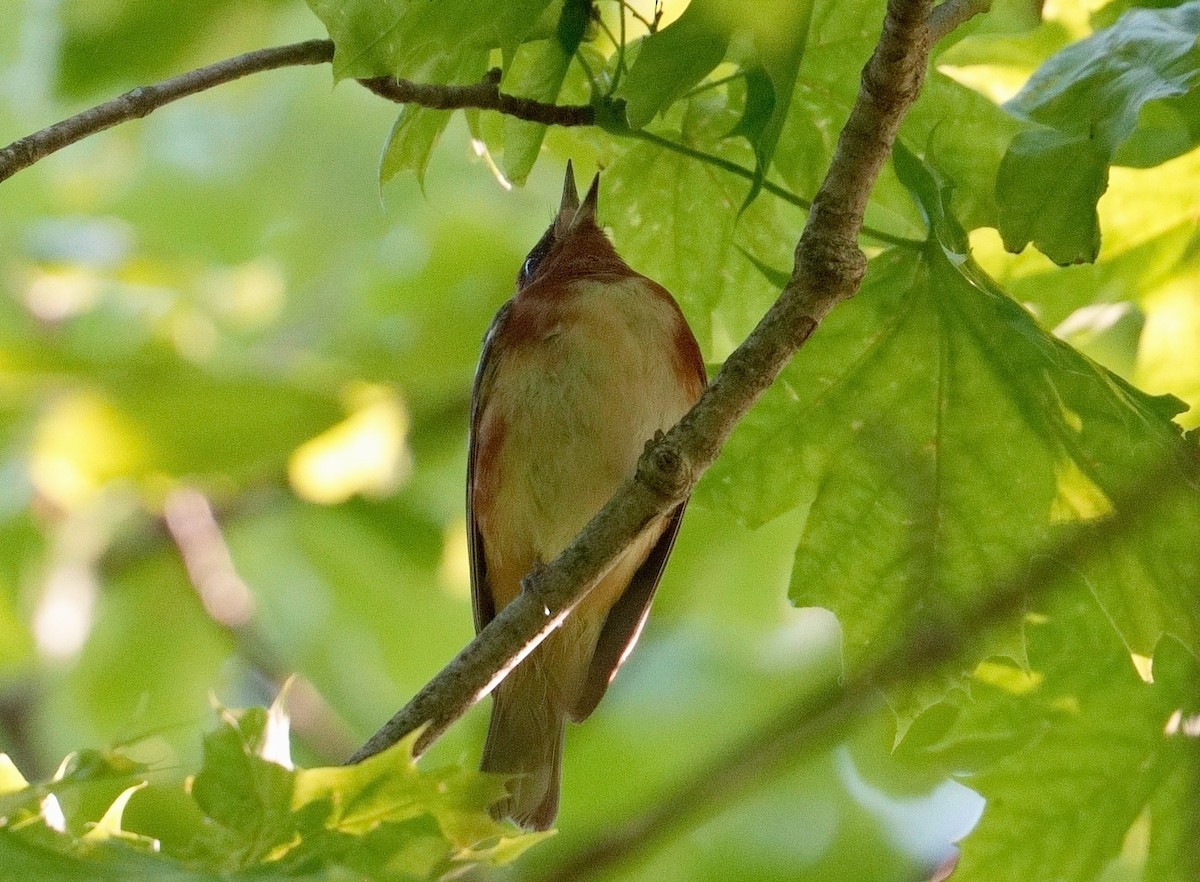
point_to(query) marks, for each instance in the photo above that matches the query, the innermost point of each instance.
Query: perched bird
(584, 365)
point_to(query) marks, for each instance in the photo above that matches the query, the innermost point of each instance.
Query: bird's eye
(535, 258)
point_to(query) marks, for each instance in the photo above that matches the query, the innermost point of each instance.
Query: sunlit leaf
(770, 40)
(418, 40)
(1060, 807)
(1084, 103)
(932, 475)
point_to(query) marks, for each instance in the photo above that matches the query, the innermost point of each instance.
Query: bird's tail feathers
(525, 740)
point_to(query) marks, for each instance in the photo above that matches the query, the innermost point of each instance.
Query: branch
(819, 721)
(950, 14)
(829, 269)
(229, 605)
(141, 101)
(484, 95)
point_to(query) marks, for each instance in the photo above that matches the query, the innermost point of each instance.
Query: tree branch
(139, 102)
(950, 14)
(829, 269)
(143, 100)
(484, 95)
(818, 721)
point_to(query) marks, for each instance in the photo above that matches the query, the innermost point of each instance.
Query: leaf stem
(742, 172)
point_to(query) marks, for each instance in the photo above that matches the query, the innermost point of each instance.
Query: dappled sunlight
(1008, 677)
(53, 295)
(454, 571)
(250, 296)
(363, 454)
(63, 618)
(1167, 359)
(1077, 497)
(1144, 665)
(997, 82)
(1143, 203)
(81, 443)
(924, 825)
(1180, 723)
(193, 334)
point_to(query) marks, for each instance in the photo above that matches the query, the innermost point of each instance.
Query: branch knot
(665, 469)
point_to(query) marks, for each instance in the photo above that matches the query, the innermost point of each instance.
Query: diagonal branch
(950, 14)
(829, 269)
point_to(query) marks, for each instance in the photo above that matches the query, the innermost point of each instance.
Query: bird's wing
(628, 614)
(625, 620)
(481, 599)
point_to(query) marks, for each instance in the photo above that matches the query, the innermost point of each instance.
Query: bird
(585, 364)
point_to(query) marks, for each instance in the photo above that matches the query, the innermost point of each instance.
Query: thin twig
(829, 269)
(143, 100)
(651, 26)
(768, 186)
(950, 14)
(484, 95)
(229, 605)
(819, 720)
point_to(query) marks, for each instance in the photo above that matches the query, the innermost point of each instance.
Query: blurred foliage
(236, 347)
(249, 810)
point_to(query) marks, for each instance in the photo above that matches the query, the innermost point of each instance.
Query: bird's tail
(525, 740)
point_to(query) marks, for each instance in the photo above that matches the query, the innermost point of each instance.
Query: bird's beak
(586, 213)
(570, 203)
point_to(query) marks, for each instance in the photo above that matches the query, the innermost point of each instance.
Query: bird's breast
(581, 383)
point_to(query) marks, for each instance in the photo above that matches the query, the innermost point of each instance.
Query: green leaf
(1060, 807)
(417, 128)
(675, 219)
(675, 59)
(11, 779)
(898, 455)
(418, 40)
(932, 192)
(1174, 851)
(1084, 103)
(249, 797)
(109, 826)
(766, 39)
(383, 817)
(538, 70)
(960, 132)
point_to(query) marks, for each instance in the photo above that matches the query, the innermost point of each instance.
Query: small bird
(585, 364)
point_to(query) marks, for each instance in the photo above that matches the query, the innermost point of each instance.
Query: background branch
(141, 101)
(819, 720)
(227, 601)
(829, 268)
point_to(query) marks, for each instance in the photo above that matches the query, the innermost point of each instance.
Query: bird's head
(573, 246)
